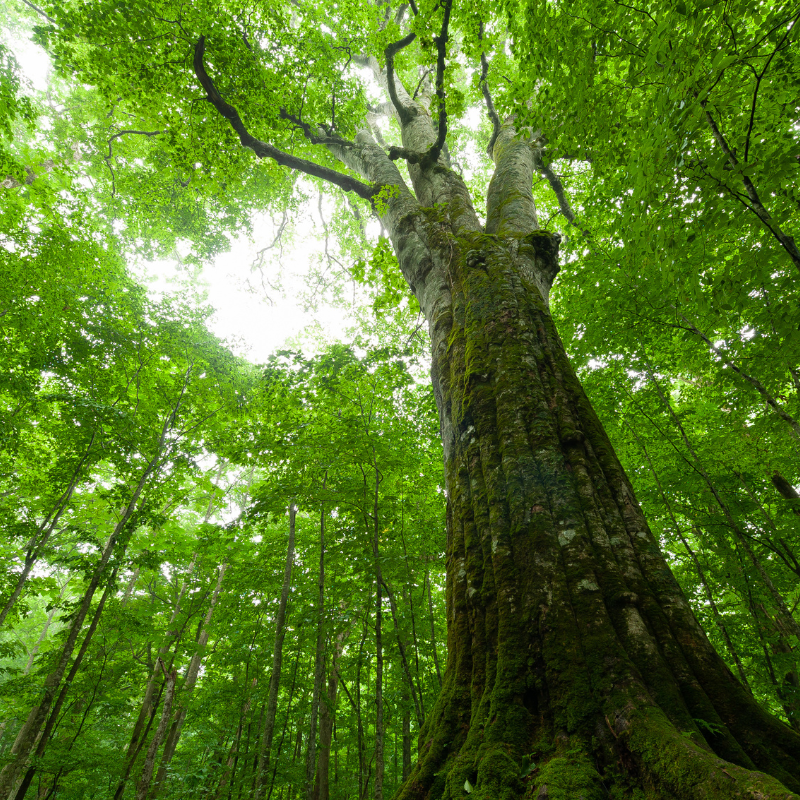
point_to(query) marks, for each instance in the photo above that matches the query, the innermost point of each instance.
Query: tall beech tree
(576, 666)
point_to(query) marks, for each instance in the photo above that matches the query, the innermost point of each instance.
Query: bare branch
(759, 387)
(558, 191)
(308, 131)
(140, 133)
(419, 85)
(263, 149)
(758, 84)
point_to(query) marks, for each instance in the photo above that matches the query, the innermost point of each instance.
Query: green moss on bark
(568, 637)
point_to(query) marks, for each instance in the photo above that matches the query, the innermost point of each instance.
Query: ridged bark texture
(576, 668)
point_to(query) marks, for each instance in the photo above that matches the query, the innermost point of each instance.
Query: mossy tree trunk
(576, 668)
(575, 664)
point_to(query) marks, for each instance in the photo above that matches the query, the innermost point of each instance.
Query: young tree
(574, 660)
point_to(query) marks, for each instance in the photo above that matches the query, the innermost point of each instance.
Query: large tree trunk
(569, 638)
(574, 661)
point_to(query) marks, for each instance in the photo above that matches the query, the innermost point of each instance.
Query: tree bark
(565, 625)
(277, 660)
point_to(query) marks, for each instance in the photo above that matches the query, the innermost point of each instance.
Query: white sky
(255, 321)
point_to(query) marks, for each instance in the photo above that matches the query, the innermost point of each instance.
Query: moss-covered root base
(653, 762)
(674, 765)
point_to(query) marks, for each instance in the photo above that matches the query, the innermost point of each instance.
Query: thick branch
(430, 156)
(441, 48)
(263, 149)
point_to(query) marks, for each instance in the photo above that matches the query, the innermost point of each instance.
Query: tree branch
(431, 156)
(558, 190)
(759, 387)
(441, 48)
(263, 149)
(308, 131)
(140, 133)
(39, 11)
(787, 242)
(758, 85)
(402, 111)
(487, 96)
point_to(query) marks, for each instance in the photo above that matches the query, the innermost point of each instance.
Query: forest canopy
(528, 527)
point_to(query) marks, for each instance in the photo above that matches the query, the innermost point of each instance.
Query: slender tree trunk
(406, 738)
(319, 662)
(192, 673)
(744, 541)
(327, 712)
(146, 710)
(362, 745)
(277, 660)
(143, 786)
(379, 729)
(29, 733)
(43, 534)
(733, 652)
(43, 635)
(44, 738)
(410, 589)
(404, 659)
(285, 724)
(433, 627)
